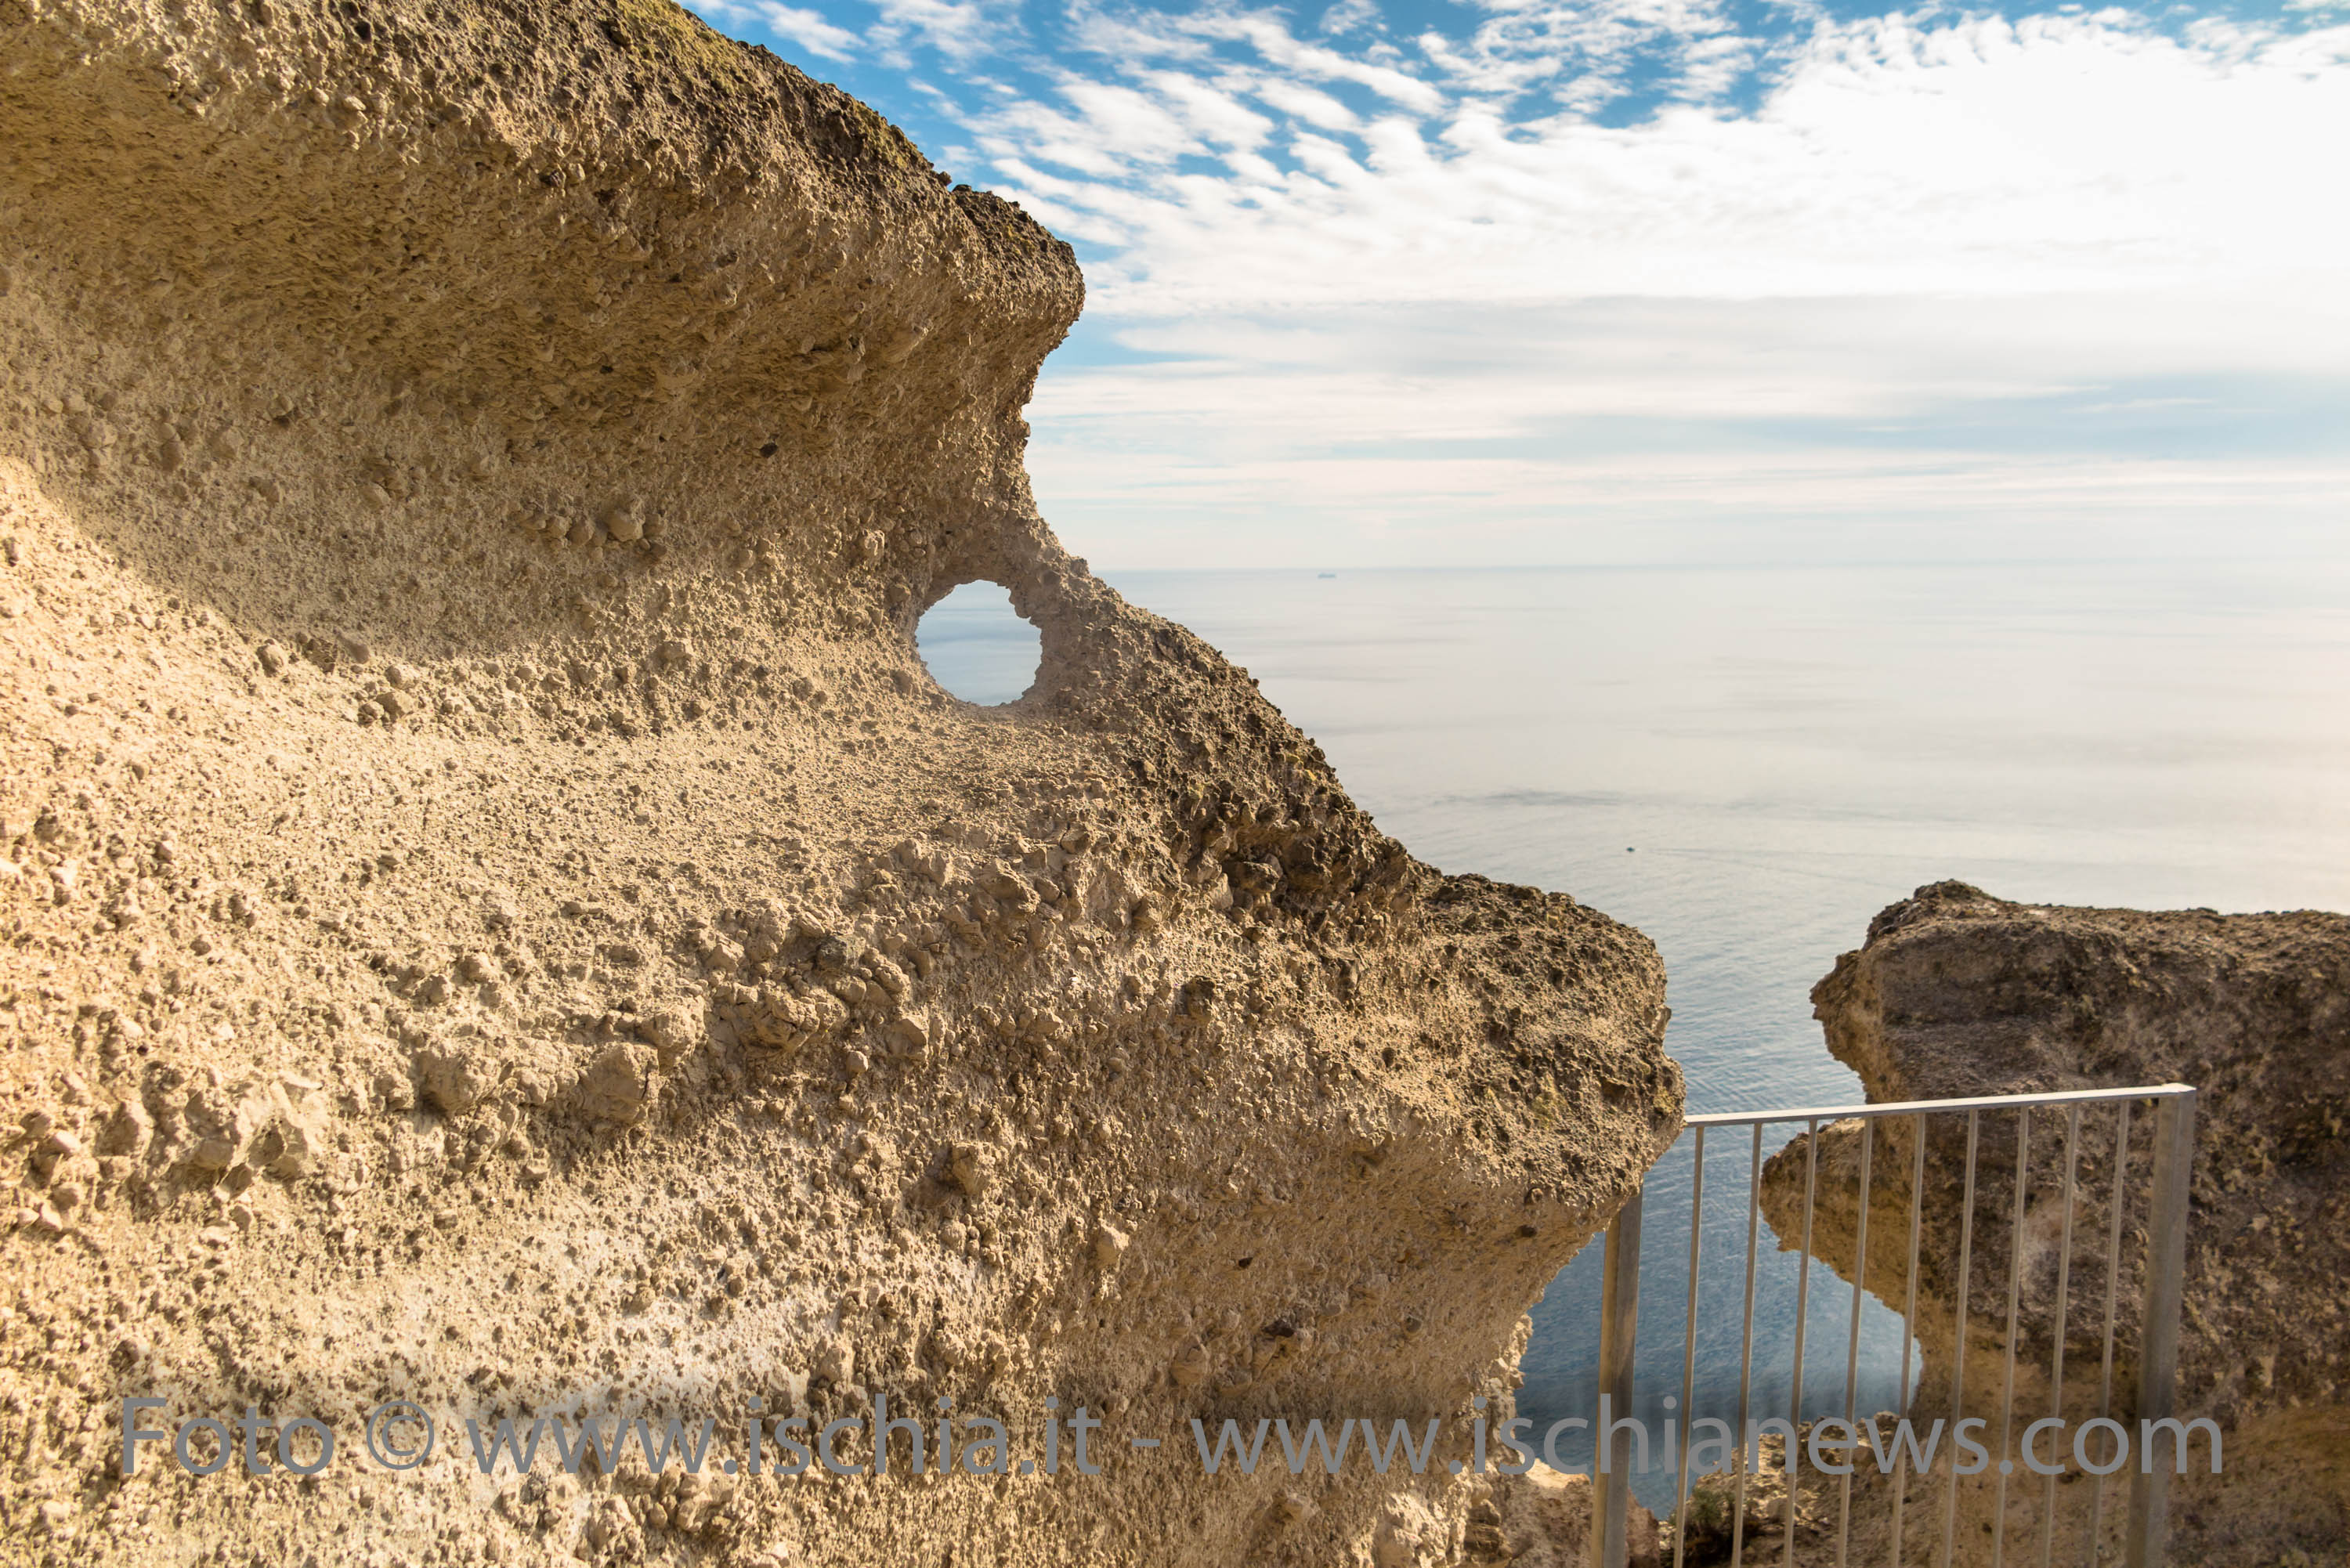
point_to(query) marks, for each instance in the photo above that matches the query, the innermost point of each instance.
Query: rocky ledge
(1956, 993)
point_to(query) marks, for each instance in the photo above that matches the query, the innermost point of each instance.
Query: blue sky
(1523, 282)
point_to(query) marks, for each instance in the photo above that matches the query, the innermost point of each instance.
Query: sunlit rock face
(500, 916)
(1956, 994)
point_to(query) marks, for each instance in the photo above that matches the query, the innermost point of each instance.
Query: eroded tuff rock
(498, 915)
(1956, 993)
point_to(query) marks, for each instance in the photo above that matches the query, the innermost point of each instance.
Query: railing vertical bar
(2014, 1298)
(1958, 1356)
(1852, 1343)
(2120, 1210)
(1909, 1318)
(1619, 1327)
(2056, 1360)
(1689, 1352)
(1803, 1320)
(2157, 1361)
(1746, 1345)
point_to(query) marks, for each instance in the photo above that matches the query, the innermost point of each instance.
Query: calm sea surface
(1748, 763)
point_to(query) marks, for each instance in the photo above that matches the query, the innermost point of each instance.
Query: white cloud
(1269, 35)
(1177, 501)
(1312, 105)
(1211, 110)
(960, 29)
(1129, 40)
(1651, 428)
(1973, 157)
(1589, 49)
(1465, 373)
(807, 29)
(1919, 266)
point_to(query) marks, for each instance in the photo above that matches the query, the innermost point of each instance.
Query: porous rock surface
(498, 915)
(1956, 993)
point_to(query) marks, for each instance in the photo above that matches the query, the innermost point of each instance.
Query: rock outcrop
(1956, 993)
(499, 916)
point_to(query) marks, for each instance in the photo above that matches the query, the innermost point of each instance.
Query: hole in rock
(977, 647)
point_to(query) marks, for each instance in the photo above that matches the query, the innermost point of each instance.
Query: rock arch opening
(978, 647)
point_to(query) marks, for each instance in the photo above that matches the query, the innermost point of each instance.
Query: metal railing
(2171, 1152)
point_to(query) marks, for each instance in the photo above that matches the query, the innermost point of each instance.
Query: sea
(1747, 763)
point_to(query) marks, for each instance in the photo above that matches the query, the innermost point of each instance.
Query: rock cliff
(1956, 993)
(499, 916)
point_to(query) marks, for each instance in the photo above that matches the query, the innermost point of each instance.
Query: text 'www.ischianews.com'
(399, 1434)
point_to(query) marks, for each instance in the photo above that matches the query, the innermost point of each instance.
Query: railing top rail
(1911, 1108)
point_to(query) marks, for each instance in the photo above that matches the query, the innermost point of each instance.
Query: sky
(1519, 282)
